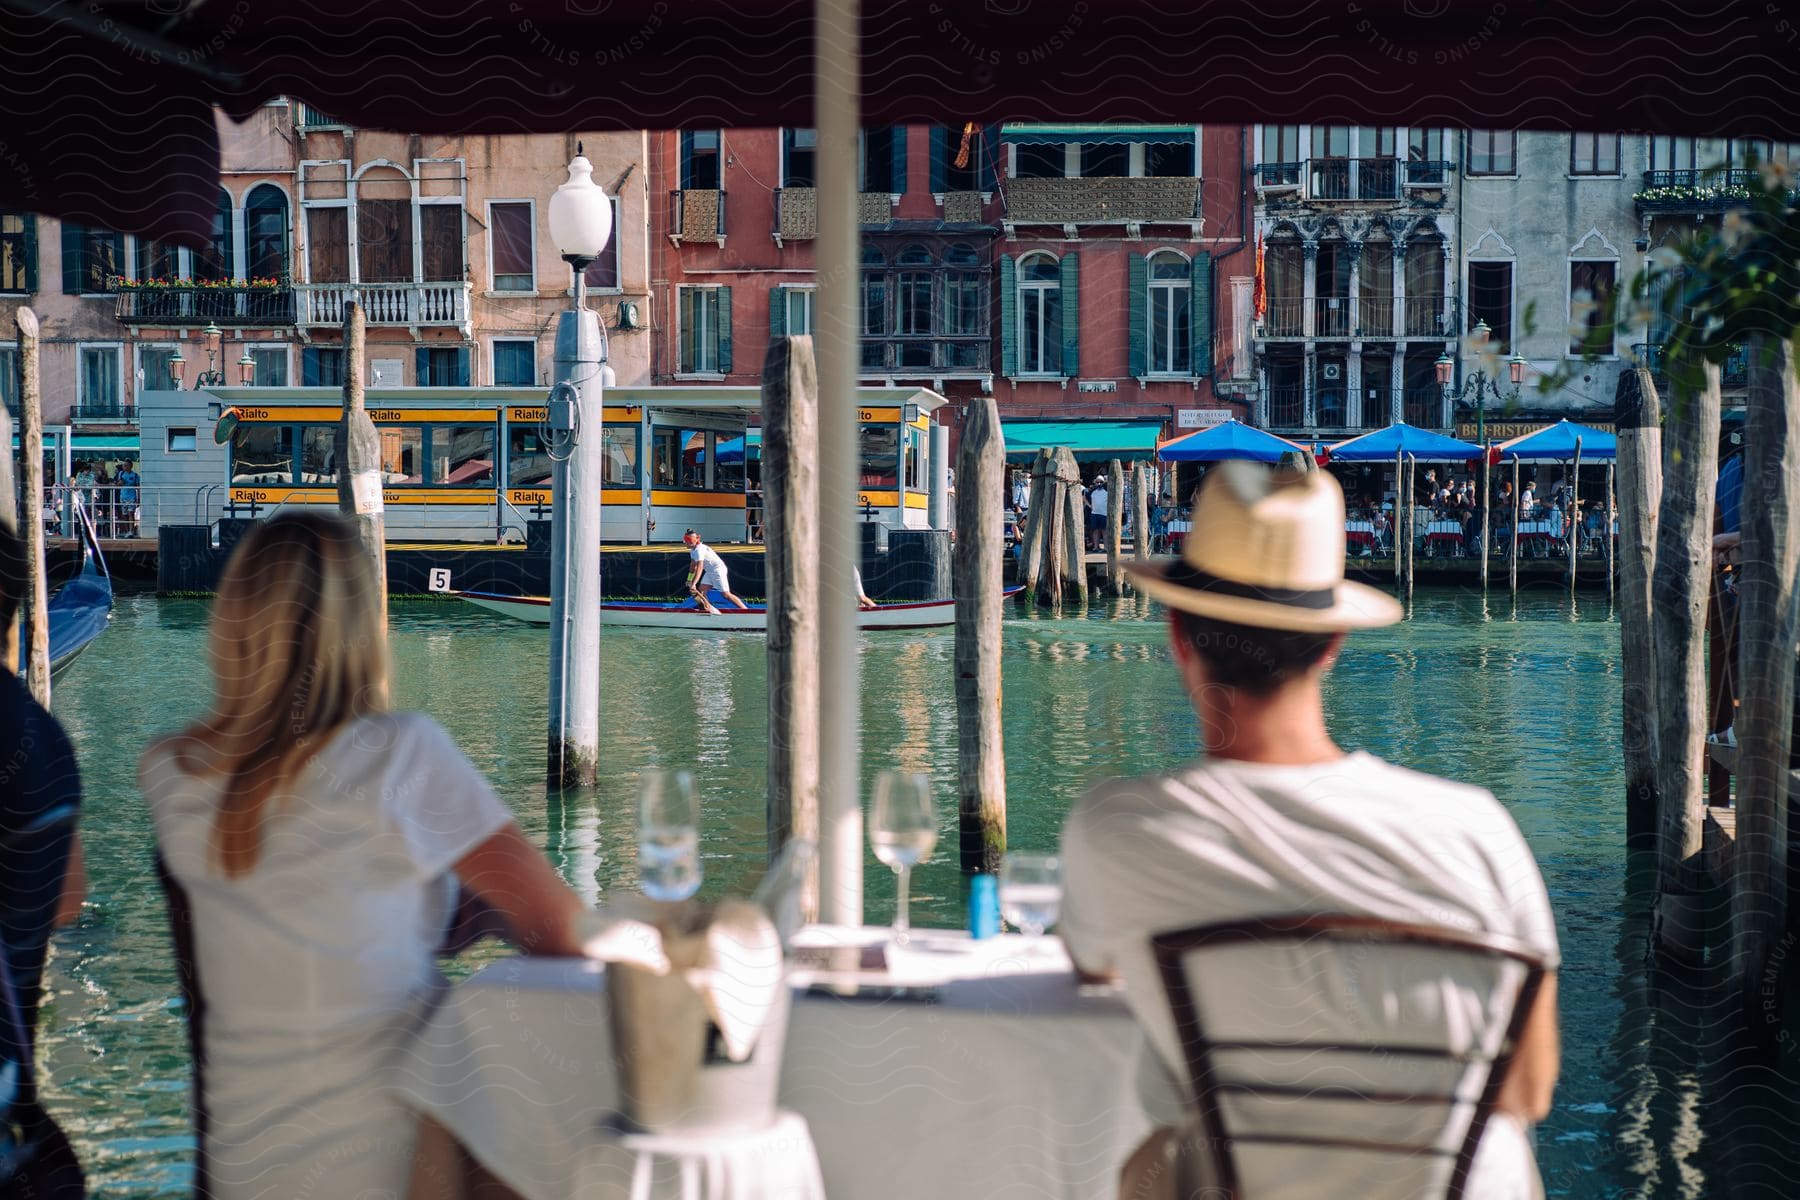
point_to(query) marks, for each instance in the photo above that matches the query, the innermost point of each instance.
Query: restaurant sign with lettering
(1502, 431)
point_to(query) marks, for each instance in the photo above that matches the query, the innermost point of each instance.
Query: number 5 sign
(440, 580)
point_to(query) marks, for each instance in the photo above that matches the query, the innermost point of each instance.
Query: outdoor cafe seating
(1444, 539)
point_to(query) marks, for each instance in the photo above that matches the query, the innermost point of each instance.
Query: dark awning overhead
(107, 109)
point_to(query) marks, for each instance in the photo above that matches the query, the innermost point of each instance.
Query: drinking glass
(668, 835)
(1031, 891)
(902, 831)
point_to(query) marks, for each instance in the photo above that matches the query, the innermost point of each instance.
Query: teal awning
(1090, 440)
(1052, 135)
(126, 442)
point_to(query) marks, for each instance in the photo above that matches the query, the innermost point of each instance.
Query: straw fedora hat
(1267, 550)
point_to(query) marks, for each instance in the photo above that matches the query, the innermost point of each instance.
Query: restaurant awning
(1557, 443)
(1112, 135)
(1401, 438)
(1092, 441)
(1232, 439)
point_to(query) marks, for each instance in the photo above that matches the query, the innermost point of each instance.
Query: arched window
(1040, 315)
(384, 228)
(912, 306)
(266, 232)
(1171, 323)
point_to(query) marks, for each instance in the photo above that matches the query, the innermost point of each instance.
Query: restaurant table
(1360, 536)
(1013, 1082)
(1444, 534)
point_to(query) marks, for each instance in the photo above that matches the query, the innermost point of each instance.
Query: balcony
(412, 304)
(1285, 317)
(1331, 316)
(204, 305)
(103, 414)
(1424, 406)
(1287, 406)
(1364, 180)
(796, 215)
(1425, 317)
(697, 215)
(1112, 200)
(1375, 317)
(1734, 372)
(1428, 173)
(1696, 191)
(928, 354)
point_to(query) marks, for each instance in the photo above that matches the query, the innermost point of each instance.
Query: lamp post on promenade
(580, 219)
(1478, 384)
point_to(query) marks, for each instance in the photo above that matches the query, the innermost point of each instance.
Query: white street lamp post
(580, 218)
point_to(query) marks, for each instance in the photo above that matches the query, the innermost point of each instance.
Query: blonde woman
(319, 839)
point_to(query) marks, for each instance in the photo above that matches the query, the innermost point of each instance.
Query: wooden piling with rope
(34, 648)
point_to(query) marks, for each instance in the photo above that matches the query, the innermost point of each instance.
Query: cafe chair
(1340, 1047)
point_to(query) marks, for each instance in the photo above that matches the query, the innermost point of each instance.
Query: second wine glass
(668, 835)
(902, 832)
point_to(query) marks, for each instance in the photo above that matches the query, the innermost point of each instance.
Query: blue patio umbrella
(1233, 439)
(1556, 443)
(1401, 438)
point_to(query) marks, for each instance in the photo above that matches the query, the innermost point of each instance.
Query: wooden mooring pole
(1768, 631)
(1412, 521)
(359, 476)
(1678, 623)
(1140, 515)
(1607, 517)
(1115, 527)
(1573, 529)
(1487, 504)
(980, 754)
(1637, 415)
(34, 649)
(1033, 554)
(1512, 566)
(790, 457)
(10, 515)
(1399, 522)
(1074, 527)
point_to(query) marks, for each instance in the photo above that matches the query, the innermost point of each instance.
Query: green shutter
(309, 366)
(1137, 277)
(724, 331)
(1071, 315)
(1009, 316)
(777, 313)
(940, 150)
(1200, 313)
(899, 162)
(31, 274)
(462, 366)
(71, 258)
(421, 366)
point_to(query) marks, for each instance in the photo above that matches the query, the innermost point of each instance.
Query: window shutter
(687, 159)
(940, 148)
(777, 313)
(1200, 313)
(684, 339)
(462, 366)
(421, 366)
(1071, 315)
(1009, 316)
(724, 331)
(309, 366)
(31, 252)
(71, 258)
(899, 162)
(1137, 275)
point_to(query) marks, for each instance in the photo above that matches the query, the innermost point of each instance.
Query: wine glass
(1031, 891)
(902, 831)
(668, 835)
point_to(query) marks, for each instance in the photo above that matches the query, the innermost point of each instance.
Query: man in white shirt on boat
(707, 570)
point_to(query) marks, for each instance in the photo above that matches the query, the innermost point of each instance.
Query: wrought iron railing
(1278, 175)
(1428, 173)
(947, 353)
(1284, 317)
(115, 413)
(1287, 406)
(201, 305)
(1375, 316)
(1331, 316)
(1424, 406)
(1425, 317)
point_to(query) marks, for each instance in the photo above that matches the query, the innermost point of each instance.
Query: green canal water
(1523, 698)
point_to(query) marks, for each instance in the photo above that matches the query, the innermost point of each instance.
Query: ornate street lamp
(212, 376)
(177, 365)
(1478, 386)
(246, 368)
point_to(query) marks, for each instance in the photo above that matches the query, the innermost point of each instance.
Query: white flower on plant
(1776, 176)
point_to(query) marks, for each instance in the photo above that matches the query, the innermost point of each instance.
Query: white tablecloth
(1015, 1085)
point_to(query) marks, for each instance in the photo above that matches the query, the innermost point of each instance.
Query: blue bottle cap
(984, 906)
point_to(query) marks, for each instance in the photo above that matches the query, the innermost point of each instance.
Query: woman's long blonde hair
(298, 649)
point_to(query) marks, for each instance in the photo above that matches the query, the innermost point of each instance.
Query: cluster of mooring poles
(25, 645)
(1734, 856)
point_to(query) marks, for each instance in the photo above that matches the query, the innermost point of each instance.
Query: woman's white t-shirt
(314, 964)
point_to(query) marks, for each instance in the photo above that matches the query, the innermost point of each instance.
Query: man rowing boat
(707, 570)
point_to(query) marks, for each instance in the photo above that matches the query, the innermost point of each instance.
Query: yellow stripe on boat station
(264, 494)
(892, 499)
(517, 414)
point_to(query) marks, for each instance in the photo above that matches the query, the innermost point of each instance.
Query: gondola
(81, 609)
(923, 614)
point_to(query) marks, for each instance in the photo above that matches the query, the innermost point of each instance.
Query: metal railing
(1285, 317)
(1424, 406)
(200, 305)
(445, 303)
(1375, 316)
(1353, 179)
(1428, 173)
(1425, 317)
(1702, 178)
(927, 352)
(116, 414)
(1287, 406)
(129, 512)
(1734, 372)
(1331, 316)
(1279, 175)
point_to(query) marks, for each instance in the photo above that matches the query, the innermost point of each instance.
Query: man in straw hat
(1277, 820)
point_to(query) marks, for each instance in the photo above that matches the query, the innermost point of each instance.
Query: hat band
(1193, 577)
